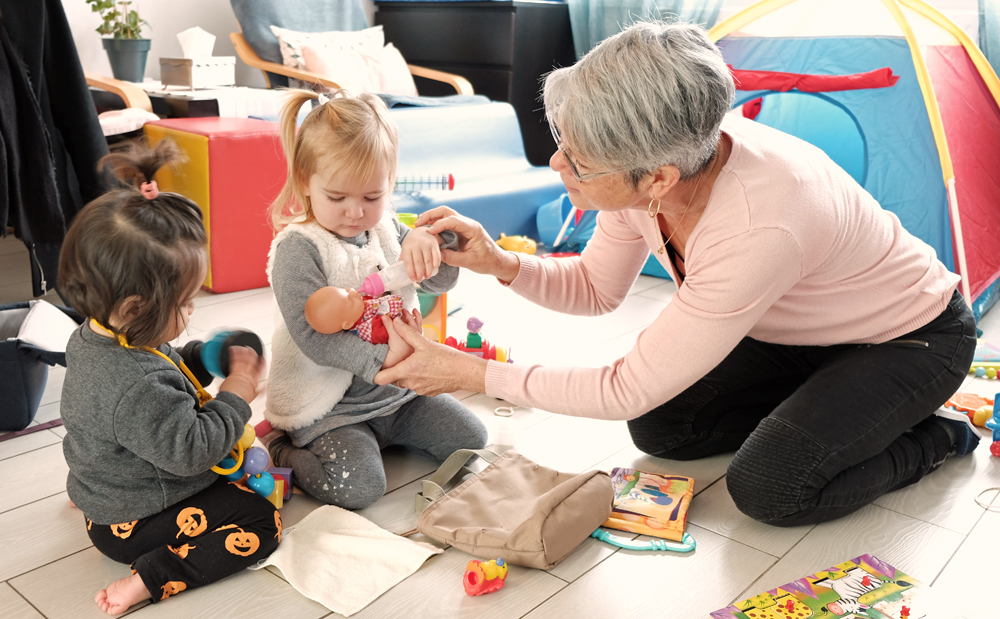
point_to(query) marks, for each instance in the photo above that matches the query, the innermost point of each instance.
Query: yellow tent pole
(937, 128)
(744, 17)
(926, 87)
(975, 54)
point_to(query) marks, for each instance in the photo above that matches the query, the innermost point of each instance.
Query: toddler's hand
(398, 348)
(421, 254)
(413, 318)
(246, 369)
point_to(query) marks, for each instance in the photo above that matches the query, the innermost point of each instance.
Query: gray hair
(651, 95)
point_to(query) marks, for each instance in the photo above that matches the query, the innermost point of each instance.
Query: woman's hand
(399, 348)
(246, 369)
(477, 251)
(420, 254)
(432, 368)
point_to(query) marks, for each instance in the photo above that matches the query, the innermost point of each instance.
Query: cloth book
(650, 503)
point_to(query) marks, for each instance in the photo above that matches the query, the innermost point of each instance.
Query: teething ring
(436, 330)
(236, 453)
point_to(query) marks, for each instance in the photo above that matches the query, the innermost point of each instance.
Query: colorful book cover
(650, 503)
(865, 587)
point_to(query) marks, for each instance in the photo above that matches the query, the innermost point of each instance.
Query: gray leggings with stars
(344, 466)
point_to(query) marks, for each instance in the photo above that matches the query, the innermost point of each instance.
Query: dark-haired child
(141, 436)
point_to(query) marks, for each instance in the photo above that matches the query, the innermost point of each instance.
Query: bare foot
(121, 595)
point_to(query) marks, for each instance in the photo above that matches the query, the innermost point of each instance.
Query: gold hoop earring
(649, 209)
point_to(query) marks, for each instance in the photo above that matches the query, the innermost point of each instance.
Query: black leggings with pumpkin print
(217, 532)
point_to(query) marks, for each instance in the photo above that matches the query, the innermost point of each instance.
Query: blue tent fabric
(898, 163)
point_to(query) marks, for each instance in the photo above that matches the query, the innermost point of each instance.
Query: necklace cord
(683, 215)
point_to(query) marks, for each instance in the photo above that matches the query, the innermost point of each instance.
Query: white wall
(167, 18)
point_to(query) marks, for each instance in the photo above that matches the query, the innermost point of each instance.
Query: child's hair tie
(322, 98)
(149, 190)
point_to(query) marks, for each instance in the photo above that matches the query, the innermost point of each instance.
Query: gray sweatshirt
(298, 273)
(136, 440)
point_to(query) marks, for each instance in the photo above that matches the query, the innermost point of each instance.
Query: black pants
(819, 431)
(217, 532)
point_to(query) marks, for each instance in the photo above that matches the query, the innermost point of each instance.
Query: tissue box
(200, 72)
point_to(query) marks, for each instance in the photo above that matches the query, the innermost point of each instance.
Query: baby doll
(331, 309)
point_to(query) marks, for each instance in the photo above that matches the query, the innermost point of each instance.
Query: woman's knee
(769, 478)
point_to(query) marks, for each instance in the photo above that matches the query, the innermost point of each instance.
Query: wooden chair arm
(132, 95)
(459, 83)
(247, 55)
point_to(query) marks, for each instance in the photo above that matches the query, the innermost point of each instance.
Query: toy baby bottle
(390, 278)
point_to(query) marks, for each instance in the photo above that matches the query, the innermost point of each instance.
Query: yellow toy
(517, 243)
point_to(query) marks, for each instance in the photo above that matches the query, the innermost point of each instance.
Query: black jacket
(51, 137)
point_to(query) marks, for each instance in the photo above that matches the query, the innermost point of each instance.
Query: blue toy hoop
(687, 543)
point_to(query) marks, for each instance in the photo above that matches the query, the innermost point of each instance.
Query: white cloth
(344, 561)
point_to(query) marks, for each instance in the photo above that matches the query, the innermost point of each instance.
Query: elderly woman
(810, 332)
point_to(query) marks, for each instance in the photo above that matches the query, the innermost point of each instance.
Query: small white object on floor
(344, 561)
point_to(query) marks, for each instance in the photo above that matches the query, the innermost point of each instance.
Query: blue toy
(993, 423)
(210, 358)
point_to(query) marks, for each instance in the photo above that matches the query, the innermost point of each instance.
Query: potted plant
(126, 48)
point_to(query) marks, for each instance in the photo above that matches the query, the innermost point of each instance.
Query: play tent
(897, 95)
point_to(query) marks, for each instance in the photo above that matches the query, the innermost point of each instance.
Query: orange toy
(484, 577)
(976, 407)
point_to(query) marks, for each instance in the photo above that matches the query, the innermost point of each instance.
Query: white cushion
(291, 42)
(362, 69)
(115, 122)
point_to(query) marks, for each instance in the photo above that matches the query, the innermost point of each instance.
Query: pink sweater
(790, 250)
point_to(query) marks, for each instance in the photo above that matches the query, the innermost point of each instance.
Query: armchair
(257, 46)
(132, 95)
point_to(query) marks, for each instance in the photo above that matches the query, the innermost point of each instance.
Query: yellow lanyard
(203, 396)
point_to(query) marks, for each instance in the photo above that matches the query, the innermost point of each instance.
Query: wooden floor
(934, 530)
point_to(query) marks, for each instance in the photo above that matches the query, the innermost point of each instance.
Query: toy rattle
(211, 358)
(482, 577)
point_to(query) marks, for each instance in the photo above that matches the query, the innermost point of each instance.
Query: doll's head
(134, 258)
(341, 162)
(333, 309)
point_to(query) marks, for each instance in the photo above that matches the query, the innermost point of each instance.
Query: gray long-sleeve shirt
(136, 440)
(297, 273)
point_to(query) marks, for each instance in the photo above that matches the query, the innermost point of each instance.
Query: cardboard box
(201, 72)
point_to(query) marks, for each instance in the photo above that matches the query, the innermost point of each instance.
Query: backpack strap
(433, 486)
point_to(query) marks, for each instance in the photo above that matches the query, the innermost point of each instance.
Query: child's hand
(421, 254)
(245, 371)
(413, 318)
(398, 348)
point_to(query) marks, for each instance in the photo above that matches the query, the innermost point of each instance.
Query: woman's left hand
(432, 368)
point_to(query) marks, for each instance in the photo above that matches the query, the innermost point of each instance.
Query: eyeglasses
(572, 166)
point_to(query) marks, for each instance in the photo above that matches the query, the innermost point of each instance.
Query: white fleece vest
(301, 392)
